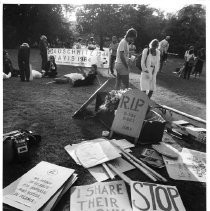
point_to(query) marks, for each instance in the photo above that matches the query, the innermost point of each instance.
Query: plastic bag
(36, 74)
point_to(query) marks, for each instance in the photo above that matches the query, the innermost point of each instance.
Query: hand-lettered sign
(100, 196)
(131, 113)
(80, 57)
(149, 196)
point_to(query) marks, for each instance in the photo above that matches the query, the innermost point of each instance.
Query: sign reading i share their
(131, 113)
(80, 57)
(100, 196)
(149, 196)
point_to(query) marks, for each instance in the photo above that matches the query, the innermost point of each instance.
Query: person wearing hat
(113, 49)
(43, 45)
(23, 62)
(163, 48)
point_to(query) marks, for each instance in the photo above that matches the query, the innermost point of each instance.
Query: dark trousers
(44, 60)
(24, 72)
(187, 71)
(112, 61)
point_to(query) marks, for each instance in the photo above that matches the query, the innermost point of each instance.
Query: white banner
(80, 57)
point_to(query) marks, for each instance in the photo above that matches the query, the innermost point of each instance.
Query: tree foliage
(26, 22)
(186, 27)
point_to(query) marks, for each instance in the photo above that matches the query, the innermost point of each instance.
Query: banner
(149, 196)
(106, 196)
(80, 57)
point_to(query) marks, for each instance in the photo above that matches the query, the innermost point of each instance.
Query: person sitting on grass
(51, 68)
(7, 65)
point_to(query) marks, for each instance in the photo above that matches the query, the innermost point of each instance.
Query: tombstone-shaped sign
(131, 113)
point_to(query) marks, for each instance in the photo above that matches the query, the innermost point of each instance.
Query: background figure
(43, 46)
(199, 64)
(163, 48)
(113, 48)
(122, 59)
(23, 61)
(78, 45)
(51, 67)
(189, 62)
(150, 63)
(7, 64)
(91, 44)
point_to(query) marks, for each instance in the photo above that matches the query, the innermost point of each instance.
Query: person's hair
(94, 66)
(91, 39)
(191, 51)
(52, 57)
(79, 39)
(152, 43)
(131, 33)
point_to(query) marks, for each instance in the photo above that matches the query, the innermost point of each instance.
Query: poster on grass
(100, 196)
(131, 113)
(31, 191)
(150, 196)
(80, 57)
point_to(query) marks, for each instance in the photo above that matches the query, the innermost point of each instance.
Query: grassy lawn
(47, 109)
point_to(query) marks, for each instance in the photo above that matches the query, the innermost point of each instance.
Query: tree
(26, 22)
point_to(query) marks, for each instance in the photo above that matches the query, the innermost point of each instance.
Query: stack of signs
(105, 152)
(190, 166)
(149, 196)
(40, 188)
(100, 196)
(130, 114)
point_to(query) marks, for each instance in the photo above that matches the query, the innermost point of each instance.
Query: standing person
(23, 62)
(163, 48)
(113, 48)
(150, 63)
(189, 62)
(43, 46)
(199, 64)
(122, 58)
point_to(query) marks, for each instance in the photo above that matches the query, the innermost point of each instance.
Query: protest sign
(131, 113)
(36, 187)
(100, 197)
(149, 196)
(80, 57)
(190, 166)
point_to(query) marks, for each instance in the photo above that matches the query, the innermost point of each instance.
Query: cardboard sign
(36, 187)
(100, 197)
(131, 113)
(80, 57)
(190, 166)
(149, 196)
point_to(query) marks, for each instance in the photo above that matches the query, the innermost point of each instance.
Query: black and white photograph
(104, 105)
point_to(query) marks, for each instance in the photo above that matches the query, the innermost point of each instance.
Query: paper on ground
(91, 154)
(190, 166)
(36, 187)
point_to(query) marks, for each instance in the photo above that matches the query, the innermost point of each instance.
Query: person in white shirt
(78, 45)
(163, 48)
(122, 59)
(150, 63)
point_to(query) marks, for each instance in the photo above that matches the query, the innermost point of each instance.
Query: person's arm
(167, 47)
(123, 59)
(143, 60)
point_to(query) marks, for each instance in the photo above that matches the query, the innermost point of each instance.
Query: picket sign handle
(129, 158)
(120, 174)
(148, 168)
(111, 175)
